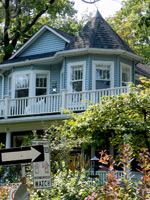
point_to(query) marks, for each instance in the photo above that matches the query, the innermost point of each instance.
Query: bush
(126, 188)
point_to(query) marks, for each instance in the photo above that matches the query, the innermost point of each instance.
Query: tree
(18, 17)
(132, 24)
(119, 117)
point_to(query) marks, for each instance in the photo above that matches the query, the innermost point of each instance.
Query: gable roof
(65, 36)
(97, 33)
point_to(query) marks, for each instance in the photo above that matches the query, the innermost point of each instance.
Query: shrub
(126, 188)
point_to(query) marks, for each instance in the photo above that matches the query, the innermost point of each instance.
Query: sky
(107, 8)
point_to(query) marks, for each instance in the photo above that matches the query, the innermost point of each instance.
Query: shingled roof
(97, 33)
(143, 70)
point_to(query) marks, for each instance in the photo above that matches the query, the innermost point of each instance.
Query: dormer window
(102, 75)
(76, 76)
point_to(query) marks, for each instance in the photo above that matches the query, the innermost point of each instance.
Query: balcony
(54, 103)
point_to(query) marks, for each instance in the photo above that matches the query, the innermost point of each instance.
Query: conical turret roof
(97, 33)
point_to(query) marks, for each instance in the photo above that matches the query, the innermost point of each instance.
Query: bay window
(76, 77)
(22, 85)
(27, 84)
(125, 74)
(102, 75)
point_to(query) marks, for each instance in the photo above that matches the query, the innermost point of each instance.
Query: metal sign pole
(23, 174)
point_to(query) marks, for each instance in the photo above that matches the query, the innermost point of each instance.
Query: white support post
(6, 107)
(64, 99)
(8, 139)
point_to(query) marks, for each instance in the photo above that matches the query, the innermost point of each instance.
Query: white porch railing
(136, 176)
(53, 103)
(76, 101)
(34, 105)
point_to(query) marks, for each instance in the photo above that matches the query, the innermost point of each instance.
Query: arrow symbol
(32, 154)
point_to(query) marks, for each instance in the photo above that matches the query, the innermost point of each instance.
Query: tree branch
(90, 1)
(28, 26)
(7, 22)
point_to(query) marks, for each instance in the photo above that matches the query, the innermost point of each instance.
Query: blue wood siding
(47, 42)
(0, 87)
(55, 77)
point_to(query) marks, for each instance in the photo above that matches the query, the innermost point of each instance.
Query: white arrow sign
(21, 155)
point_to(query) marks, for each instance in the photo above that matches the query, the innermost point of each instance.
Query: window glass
(22, 86)
(10, 86)
(41, 84)
(126, 74)
(77, 78)
(102, 76)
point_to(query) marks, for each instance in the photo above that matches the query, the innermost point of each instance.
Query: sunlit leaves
(131, 23)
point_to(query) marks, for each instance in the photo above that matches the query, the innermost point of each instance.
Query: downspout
(2, 85)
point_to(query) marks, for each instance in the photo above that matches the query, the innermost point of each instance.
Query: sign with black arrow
(22, 155)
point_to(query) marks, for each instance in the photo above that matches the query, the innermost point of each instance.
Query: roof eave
(74, 52)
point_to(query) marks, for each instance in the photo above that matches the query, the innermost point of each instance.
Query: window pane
(77, 86)
(126, 76)
(103, 72)
(77, 73)
(40, 92)
(21, 93)
(102, 84)
(22, 81)
(41, 80)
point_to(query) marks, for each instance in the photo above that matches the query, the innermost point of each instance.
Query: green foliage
(61, 143)
(115, 118)
(71, 185)
(19, 20)
(132, 24)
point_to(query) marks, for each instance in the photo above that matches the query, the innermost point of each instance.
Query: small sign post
(42, 170)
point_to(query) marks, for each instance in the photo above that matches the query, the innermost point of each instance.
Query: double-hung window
(22, 83)
(125, 76)
(76, 77)
(102, 75)
(41, 84)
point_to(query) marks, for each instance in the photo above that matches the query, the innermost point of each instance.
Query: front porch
(54, 103)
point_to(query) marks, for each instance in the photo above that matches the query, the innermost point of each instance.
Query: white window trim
(32, 81)
(61, 78)
(70, 65)
(99, 62)
(126, 66)
(12, 85)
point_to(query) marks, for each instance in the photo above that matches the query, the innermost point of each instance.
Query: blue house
(54, 70)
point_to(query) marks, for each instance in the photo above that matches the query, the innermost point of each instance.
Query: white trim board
(75, 52)
(72, 64)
